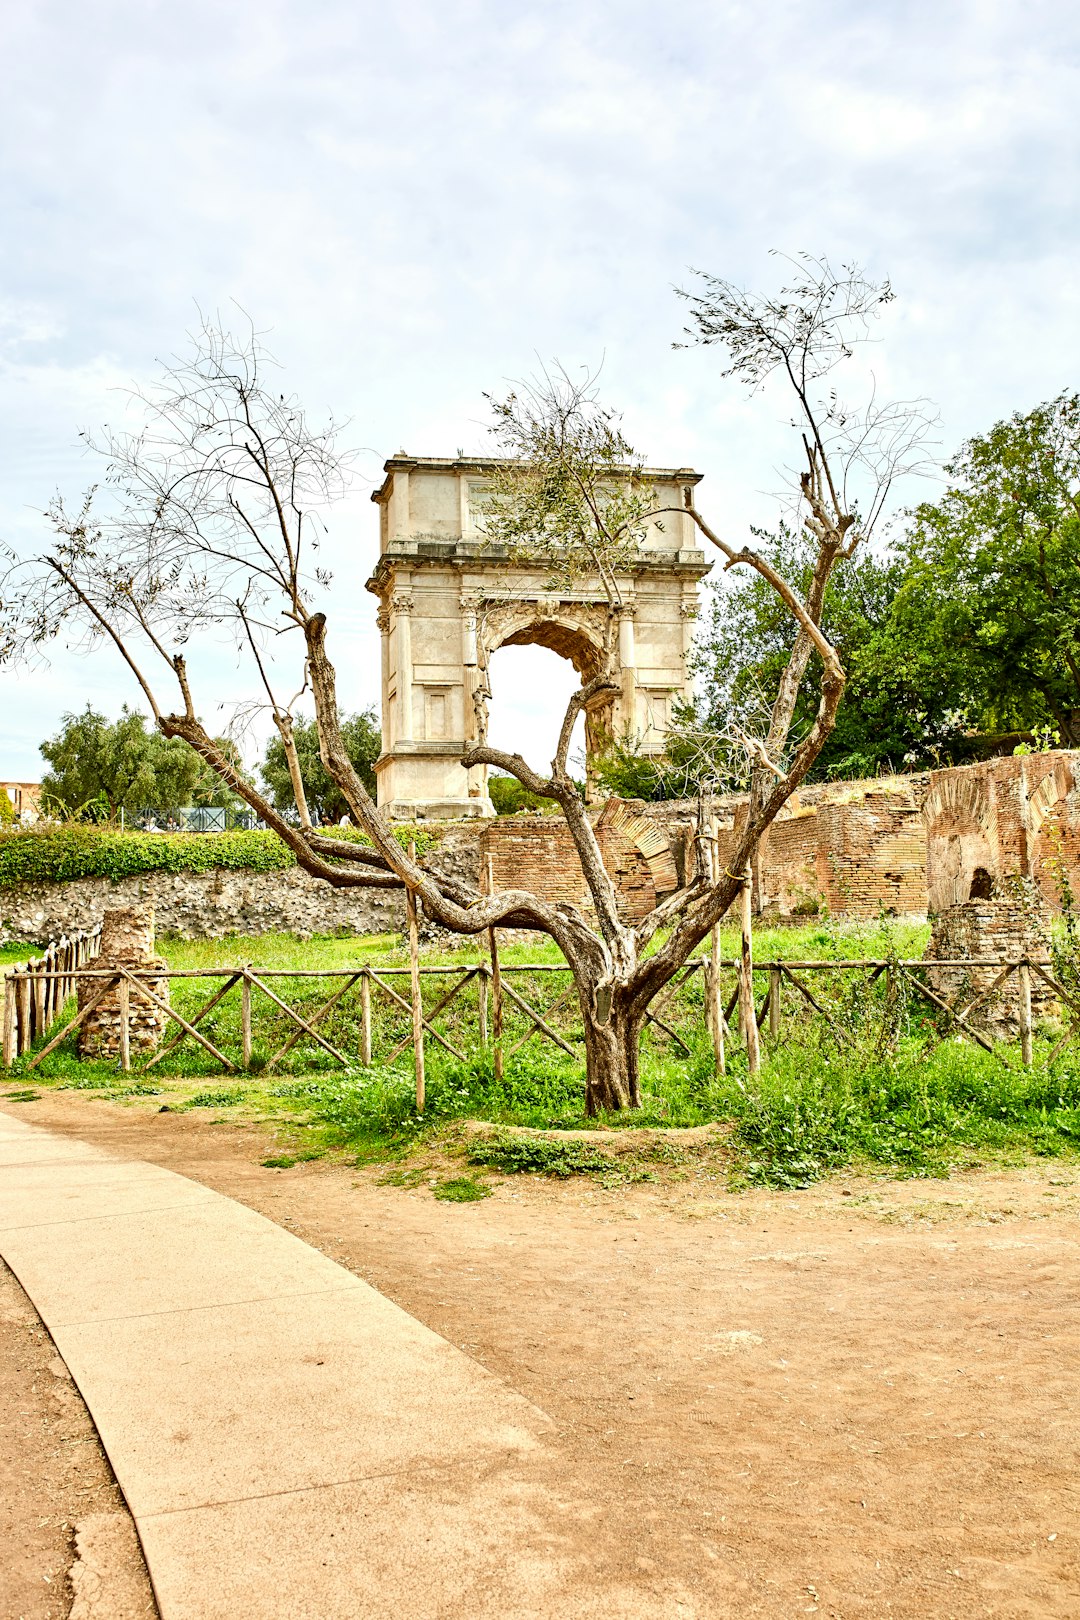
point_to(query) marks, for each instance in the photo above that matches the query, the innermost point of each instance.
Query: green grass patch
(540, 1155)
(461, 1190)
(217, 1097)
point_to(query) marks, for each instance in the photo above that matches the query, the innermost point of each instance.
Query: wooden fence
(35, 992)
(737, 1001)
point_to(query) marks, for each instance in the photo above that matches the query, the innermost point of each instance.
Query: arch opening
(530, 685)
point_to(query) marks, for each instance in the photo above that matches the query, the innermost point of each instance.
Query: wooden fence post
(22, 1004)
(245, 1016)
(714, 994)
(123, 996)
(1024, 975)
(365, 1018)
(11, 1031)
(496, 984)
(775, 982)
(40, 983)
(747, 1010)
(417, 1003)
(482, 1003)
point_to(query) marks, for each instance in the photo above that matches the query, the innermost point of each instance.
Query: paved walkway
(289, 1442)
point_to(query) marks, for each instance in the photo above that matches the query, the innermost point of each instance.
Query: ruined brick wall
(855, 848)
(127, 940)
(1000, 820)
(537, 853)
(992, 930)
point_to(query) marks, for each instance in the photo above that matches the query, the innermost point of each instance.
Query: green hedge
(59, 854)
(52, 854)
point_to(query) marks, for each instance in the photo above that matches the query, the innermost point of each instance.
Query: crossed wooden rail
(36, 993)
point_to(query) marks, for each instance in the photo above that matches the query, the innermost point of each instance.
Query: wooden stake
(747, 1012)
(775, 982)
(417, 1004)
(11, 1049)
(1024, 974)
(365, 1019)
(715, 1003)
(124, 1000)
(245, 1019)
(496, 984)
(39, 1000)
(22, 1008)
(482, 1004)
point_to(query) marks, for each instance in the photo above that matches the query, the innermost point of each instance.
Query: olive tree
(855, 452)
(210, 516)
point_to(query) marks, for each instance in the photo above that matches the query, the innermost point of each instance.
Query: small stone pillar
(996, 926)
(127, 940)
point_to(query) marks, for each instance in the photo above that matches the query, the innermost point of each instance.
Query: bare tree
(854, 455)
(211, 518)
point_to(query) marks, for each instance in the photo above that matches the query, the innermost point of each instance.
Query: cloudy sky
(418, 200)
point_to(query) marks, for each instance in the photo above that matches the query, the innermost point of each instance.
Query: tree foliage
(100, 767)
(960, 640)
(509, 798)
(990, 602)
(363, 743)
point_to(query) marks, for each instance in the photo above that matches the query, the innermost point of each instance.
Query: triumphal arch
(449, 598)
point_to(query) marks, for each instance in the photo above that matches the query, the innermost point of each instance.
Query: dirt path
(59, 1504)
(767, 1405)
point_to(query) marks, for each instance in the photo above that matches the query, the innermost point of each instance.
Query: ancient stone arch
(449, 599)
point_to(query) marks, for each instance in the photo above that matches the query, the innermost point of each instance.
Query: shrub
(516, 1154)
(59, 853)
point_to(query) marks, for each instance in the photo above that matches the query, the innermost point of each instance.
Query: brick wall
(537, 853)
(853, 847)
(1005, 819)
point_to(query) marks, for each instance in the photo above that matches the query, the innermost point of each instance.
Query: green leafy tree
(363, 743)
(990, 602)
(898, 713)
(100, 767)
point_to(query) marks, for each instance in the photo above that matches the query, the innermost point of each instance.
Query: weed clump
(461, 1190)
(518, 1154)
(217, 1097)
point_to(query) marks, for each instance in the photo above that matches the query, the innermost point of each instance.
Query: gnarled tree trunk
(612, 1053)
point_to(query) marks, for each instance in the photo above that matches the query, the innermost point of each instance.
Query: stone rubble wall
(127, 940)
(906, 845)
(211, 905)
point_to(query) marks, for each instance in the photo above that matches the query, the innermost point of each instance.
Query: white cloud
(420, 199)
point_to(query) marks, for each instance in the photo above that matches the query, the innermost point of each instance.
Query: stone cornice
(463, 465)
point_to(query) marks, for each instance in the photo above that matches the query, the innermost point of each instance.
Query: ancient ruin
(127, 941)
(449, 598)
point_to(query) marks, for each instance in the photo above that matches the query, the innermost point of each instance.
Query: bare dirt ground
(853, 1401)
